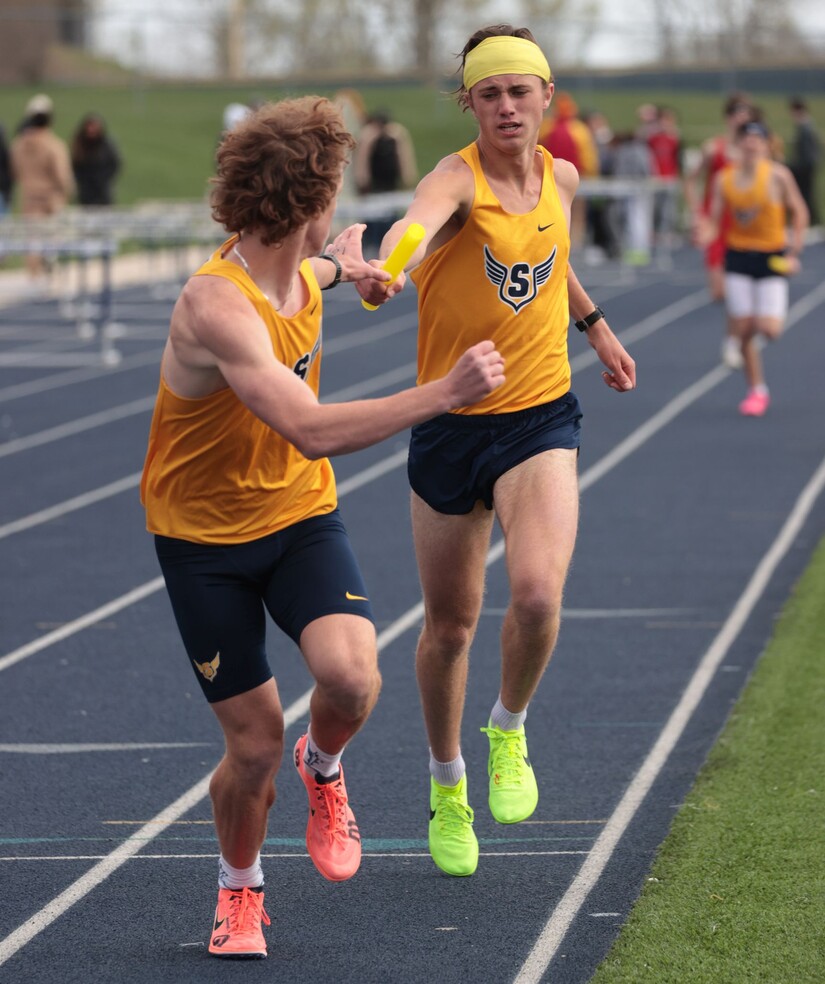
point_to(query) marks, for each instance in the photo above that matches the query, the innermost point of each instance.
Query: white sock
(500, 717)
(761, 389)
(237, 878)
(320, 762)
(447, 773)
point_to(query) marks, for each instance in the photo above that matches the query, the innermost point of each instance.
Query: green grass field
(167, 133)
(737, 893)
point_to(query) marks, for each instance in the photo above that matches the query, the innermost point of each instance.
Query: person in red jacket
(570, 139)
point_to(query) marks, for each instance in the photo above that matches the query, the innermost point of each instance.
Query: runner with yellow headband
(494, 263)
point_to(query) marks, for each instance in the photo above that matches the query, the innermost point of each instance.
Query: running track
(695, 525)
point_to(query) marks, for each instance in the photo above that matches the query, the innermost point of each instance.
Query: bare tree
(727, 32)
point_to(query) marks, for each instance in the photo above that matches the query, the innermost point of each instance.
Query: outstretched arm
(217, 339)
(439, 199)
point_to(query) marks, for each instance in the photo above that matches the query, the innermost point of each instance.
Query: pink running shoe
(755, 404)
(236, 931)
(333, 840)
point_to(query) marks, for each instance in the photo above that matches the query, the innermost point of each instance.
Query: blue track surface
(107, 852)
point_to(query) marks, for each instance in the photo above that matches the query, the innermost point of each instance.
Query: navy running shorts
(456, 459)
(219, 593)
(751, 263)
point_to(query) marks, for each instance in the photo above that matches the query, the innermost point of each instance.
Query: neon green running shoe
(513, 790)
(453, 843)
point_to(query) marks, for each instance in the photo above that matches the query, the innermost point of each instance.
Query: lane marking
(587, 613)
(276, 857)
(548, 943)
(69, 749)
(71, 505)
(650, 325)
(79, 426)
(90, 618)
(58, 379)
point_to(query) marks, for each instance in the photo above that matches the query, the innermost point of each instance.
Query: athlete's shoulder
(566, 175)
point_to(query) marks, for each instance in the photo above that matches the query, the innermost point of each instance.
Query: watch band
(334, 260)
(595, 315)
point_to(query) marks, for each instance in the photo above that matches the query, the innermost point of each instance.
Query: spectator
(632, 159)
(95, 161)
(601, 212)
(806, 153)
(569, 138)
(384, 161)
(5, 173)
(41, 168)
(665, 143)
(350, 104)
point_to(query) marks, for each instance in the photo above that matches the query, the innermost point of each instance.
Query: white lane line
(659, 319)
(78, 426)
(78, 624)
(373, 333)
(71, 505)
(588, 613)
(72, 748)
(548, 943)
(58, 379)
(285, 855)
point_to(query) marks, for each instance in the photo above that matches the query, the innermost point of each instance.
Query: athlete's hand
(702, 231)
(379, 291)
(478, 372)
(347, 249)
(620, 374)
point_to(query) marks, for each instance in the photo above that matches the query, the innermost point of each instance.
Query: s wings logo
(519, 284)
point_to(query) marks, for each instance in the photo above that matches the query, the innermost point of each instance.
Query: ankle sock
(321, 763)
(447, 773)
(506, 720)
(237, 878)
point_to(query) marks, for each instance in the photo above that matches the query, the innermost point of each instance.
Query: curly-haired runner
(241, 497)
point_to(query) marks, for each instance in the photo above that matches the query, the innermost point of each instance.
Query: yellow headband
(504, 55)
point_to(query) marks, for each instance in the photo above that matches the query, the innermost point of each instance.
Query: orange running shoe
(236, 933)
(333, 840)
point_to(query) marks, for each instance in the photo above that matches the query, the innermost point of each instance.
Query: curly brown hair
(280, 167)
(492, 31)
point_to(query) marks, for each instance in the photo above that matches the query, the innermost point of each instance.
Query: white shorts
(756, 297)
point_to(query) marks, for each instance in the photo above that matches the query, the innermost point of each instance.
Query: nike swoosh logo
(219, 924)
(432, 814)
(542, 228)
(352, 597)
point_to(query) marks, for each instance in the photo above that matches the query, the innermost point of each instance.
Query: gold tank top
(503, 277)
(757, 222)
(214, 472)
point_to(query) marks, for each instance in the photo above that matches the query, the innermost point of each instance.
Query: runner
(241, 497)
(494, 263)
(756, 194)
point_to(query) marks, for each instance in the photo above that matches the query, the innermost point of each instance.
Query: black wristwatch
(591, 319)
(334, 260)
